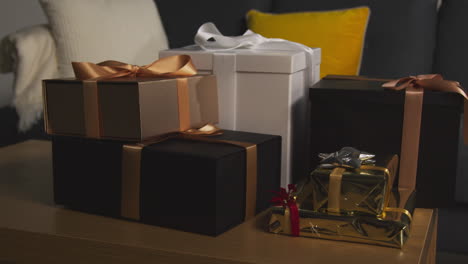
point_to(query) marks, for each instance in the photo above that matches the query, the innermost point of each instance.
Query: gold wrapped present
(391, 228)
(350, 197)
(349, 181)
(343, 188)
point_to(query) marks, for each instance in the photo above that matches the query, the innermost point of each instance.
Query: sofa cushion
(99, 30)
(452, 230)
(450, 61)
(461, 192)
(400, 39)
(340, 34)
(182, 18)
(452, 41)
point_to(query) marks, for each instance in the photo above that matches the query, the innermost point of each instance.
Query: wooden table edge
(53, 248)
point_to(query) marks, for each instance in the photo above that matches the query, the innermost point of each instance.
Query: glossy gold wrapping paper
(363, 190)
(392, 229)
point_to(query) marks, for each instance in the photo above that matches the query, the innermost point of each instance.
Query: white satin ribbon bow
(208, 37)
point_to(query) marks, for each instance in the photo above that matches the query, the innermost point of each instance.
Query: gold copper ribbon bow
(173, 66)
(434, 82)
(90, 73)
(415, 86)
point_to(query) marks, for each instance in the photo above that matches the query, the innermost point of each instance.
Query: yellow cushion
(340, 34)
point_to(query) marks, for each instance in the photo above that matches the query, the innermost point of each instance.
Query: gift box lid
(249, 60)
(372, 91)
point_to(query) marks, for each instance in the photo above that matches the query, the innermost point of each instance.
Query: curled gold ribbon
(90, 73)
(397, 210)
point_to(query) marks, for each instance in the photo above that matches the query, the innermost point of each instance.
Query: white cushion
(97, 30)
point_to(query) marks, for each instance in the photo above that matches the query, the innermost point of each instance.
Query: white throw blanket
(30, 54)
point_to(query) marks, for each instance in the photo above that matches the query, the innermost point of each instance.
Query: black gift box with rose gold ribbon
(363, 114)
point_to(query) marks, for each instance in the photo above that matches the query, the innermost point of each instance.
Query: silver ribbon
(346, 157)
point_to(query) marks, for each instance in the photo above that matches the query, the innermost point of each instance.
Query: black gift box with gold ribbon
(204, 186)
(359, 112)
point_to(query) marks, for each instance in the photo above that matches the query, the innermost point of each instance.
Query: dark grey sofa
(404, 37)
(9, 133)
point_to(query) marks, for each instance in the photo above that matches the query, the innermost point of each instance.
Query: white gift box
(262, 91)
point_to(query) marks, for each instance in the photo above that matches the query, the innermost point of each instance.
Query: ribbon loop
(209, 37)
(206, 130)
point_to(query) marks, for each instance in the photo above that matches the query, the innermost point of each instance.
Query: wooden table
(33, 230)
